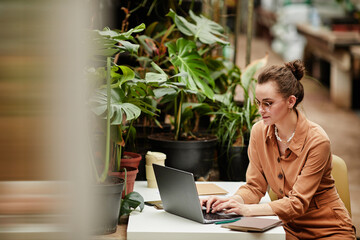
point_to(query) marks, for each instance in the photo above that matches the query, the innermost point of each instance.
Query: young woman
(291, 155)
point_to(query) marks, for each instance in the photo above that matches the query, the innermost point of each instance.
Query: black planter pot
(233, 165)
(195, 156)
(107, 206)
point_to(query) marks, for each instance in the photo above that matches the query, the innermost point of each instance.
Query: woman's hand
(235, 204)
(216, 204)
(211, 202)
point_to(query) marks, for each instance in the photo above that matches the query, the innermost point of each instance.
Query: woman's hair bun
(297, 68)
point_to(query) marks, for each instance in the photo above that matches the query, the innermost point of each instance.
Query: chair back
(340, 174)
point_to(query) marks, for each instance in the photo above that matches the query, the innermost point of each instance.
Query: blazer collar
(298, 141)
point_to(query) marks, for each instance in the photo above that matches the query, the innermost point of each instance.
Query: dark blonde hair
(287, 78)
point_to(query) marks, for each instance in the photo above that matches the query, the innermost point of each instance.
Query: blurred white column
(44, 169)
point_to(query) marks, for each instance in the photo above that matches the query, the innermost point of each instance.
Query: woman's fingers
(206, 202)
(202, 201)
(233, 210)
(226, 205)
(210, 203)
(216, 204)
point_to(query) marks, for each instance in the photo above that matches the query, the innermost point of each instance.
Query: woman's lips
(265, 117)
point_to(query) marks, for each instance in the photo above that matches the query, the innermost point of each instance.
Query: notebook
(253, 224)
(179, 195)
(210, 189)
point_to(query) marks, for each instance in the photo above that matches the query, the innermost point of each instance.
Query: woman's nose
(261, 108)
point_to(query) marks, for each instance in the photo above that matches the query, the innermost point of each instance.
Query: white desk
(160, 225)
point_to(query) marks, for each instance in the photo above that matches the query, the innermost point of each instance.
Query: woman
(291, 155)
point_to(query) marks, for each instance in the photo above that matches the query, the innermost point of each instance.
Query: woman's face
(272, 106)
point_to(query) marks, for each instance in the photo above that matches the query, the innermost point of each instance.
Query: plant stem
(128, 132)
(178, 116)
(175, 113)
(91, 156)
(107, 150)
(118, 152)
(118, 157)
(125, 188)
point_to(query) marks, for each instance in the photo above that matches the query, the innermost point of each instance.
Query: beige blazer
(301, 177)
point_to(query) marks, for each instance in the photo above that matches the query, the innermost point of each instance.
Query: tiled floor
(342, 126)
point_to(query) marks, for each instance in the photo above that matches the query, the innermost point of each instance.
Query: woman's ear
(291, 101)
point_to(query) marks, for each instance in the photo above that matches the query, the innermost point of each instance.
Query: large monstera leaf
(109, 42)
(184, 56)
(118, 108)
(207, 31)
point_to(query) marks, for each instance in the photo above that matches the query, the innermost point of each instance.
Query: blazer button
(281, 191)
(280, 176)
(278, 159)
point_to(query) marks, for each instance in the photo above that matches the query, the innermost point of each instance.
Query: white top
(158, 224)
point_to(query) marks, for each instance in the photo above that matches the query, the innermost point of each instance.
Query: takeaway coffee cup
(153, 157)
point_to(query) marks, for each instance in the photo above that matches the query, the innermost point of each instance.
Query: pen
(228, 221)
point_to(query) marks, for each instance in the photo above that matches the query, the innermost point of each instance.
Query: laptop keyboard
(216, 216)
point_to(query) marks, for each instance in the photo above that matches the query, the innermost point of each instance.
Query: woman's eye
(268, 104)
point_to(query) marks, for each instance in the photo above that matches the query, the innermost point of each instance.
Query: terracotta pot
(132, 160)
(130, 181)
(129, 159)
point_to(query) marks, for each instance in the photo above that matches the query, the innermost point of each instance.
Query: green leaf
(160, 92)
(117, 107)
(150, 29)
(249, 72)
(127, 35)
(185, 57)
(247, 113)
(156, 77)
(105, 42)
(106, 52)
(143, 40)
(128, 46)
(157, 68)
(121, 36)
(181, 23)
(201, 108)
(108, 32)
(225, 98)
(127, 74)
(207, 31)
(151, 77)
(186, 114)
(130, 202)
(191, 105)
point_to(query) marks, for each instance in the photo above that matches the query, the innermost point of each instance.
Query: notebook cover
(253, 224)
(210, 189)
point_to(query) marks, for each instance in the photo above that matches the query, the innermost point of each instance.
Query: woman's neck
(287, 126)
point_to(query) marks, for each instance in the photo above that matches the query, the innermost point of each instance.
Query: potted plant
(115, 99)
(233, 119)
(187, 85)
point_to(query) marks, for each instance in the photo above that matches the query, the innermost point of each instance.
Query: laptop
(179, 196)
